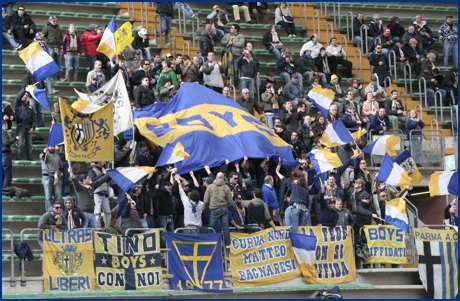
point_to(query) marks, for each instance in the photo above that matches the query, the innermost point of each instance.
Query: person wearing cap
(272, 100)
(71, 49)
(141, 42)
(375, 26)
(167, 92)
(52, 34)
(359, 32)
(351, 118)
(450, 84)
(121, 155)
(395, 110)
(89, 42)
(7, 30)
(295, 93)
(217, 19)
(308, 68)
(23, 26)
(386, 41)
(339, 56)
(378, 92)
(335, 86)
(75, 217)
(165, 10)
(236, 213)
(167, 73)
(329, 216)
(288, 65)
(365, 211)
(427, 42)
(448, 36)
(212, 73)
(233, 43)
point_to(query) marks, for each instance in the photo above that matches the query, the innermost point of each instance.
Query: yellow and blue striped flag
(39, 63)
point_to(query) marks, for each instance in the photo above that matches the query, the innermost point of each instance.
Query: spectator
(89, 42)
(370, 106)
(272, 41)
(142, 94)
(359, 26)
(280, 130)
(332, 114)
(427, 42)
(386, 41)
(206, 41)
(162, 197)
(361, 172)
(165, 10)
(52, 219)
(272, 102)
(432, 85)
(356, 192)
(380, 122)
(261, 8)
(192, 205)
(213, 71)
(76, 219)
(375, 26)
(226, 93)
(8, 116)
(381, 66)
(185, 9)
(283, 17)
(146, 71)
(236, 213)
(450, 83)
(25, 119)
(249, 103)
(269, 80)
(450, 214)
(414, 55)
(329, 216)
(167, 73)
(130, 217)
(101, 195)
(187, 67)
(218, 197)
(345, 216)
(295, 93)
(306, 133)
(334, 85)
(358, 91)
(141, 42)
(320, 124)
(125, 73)
(377, 91)
(23, 26)
(7, 167)
(258, 212)
(397, 30)
(448, 35)
(52, 34)
(95, 78)
(401, 59)
(270, 199)
(71, 49)
(288, 66)
(56, 114)
(419, 24)
(49, 80)
(414, 125)
(429, 62)
(51, 176)
(348, 99)
(248, 71)
(313, 45)
(339, 56)
(218, 19)
(166, 92)
(351, 118)
(289, 117)
(233, 43)
(323, 64)
(8, 6)
(308, 68)
(395, 110)
(412, 34)
(7, 30)
(239, 7)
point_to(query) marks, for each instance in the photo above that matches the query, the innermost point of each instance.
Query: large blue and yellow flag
(195, 261)
(87, 137)
(211, 128)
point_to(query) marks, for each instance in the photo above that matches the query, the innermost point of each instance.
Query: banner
(128, 263)
(68, 264)
(115, 92)
(335, 259)
(87, 137)
(385, 244)
(195, 261)
(438, 263)
(262, 258)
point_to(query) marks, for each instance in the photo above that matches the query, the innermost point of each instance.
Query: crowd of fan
(346, 196)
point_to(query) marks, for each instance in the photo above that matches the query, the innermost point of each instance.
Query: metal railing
(316, 18)
(144, 12)
(256, 88)
(12, 277)
(420, 110)
(392, 62)
(422, 91)
(438, 111)
(454, 119)
(435, 122)
(188, 48)
(323, 8)
(303, 7)
(344, 41)
(130, 8)
(181, 18)
(406, 80)
(188, 229)
(329, 25)
(401, 94)
(232, 87)
(349, 20)
(171, 43)
(156, 21)
(197, 20)
(359, 62)
(336, 15)
(377, 41)
(23, 271)
(365, 38)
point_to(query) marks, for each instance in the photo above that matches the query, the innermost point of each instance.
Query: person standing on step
(165, 10)
(71, 49)
(7, 168)
(52, 34)
(89, 42)
(51, 176)
(101, 194)
(233, 43)
(25, 119)
(76, 219)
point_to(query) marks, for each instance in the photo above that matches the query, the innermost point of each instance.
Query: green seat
(53, 12)
(417, 6)
(43, 129)
(393, 6)
(369, 5)
(82, 15)
(4, 81)
(112, 4)
(15, 81)
(108, 16)
(6, 51)
(405, 6)
(381, 6)
(7, 257)
(16, 218)
(259, 50)
(39, 12)
(296, 39)
(423, 7)
(452, 9)
(96, 16)
(259, 25)
(97, 3)
(123, 17)
(206, 10)
(18, 66)
(68, 13)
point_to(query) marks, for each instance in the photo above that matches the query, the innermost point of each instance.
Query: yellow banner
(262, 258)
(68, 264)
(386, 244)
(87, 137)
(123, 36)
(335, 260)
(128, 263)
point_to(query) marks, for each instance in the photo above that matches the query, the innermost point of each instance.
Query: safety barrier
(144, 14)
(12, 278)
(188, 48)
(427, 146)
(398, 147)
(454, 119)
(331, 27)
(359, 62)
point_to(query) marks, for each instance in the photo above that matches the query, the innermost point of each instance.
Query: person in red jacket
(89, 38)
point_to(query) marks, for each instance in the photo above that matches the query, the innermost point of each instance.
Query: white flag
(114, 90)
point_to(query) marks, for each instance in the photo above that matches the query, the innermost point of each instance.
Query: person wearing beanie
(75, 217)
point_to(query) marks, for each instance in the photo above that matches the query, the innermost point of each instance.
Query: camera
(217, 11)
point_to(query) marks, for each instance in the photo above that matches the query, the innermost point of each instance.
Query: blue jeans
(7, 168)
(165, 26)
(276, 52)
(148, 223)
(146, 54)
(57, 57)
(184, 9)
(38, 109)
(25, 137)
(10, 39)
(270, 119)
(65, 178)
(90, 221)
(298, 219)
(72, 63)
(220, 215)
(247, 83)
(51, 190)
(370, 42)
(448, 48)
(167, 223)
(430, 96)
(91, 59)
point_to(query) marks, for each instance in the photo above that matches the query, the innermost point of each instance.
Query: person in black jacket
(450, 83)
(206, 42)
(146, 204)
(142, 94)
(77, 217)
(141, 42)
(125, 72)
(165, 10)
(130, 216)
(7, 30)
(146, 71)
(25, 119)
(29, 79)
(162, 196)
(359, 22)
(397, 30)
(272, 41)
(365, 211)
(121, 156)
(329, 217)
(23, 26)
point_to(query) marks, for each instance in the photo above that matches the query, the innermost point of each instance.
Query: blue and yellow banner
(386, 244)
(262, 258)
(128, 263)
(68, 260)
(335, 260)
(195, 262)
(87, 136)
(209, 125)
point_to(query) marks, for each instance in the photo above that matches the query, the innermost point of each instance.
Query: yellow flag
(358, 134)
(87, 136)
(123, 36)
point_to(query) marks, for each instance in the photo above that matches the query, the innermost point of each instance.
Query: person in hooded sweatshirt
(75, 217)
(257, 211)
(329, 216)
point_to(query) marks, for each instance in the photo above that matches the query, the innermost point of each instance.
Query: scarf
(73, 42)
(240, 212)
(193, 205)
(70, 222)
(329, 192)
(57, 217)
(275, 38)
(90, 191)
(326, 66)
(232, 38)
(381, 121)
(310, 130)
(395, 104)
(275, 105)
(375, 88)
(354, 117)
(291, 68)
